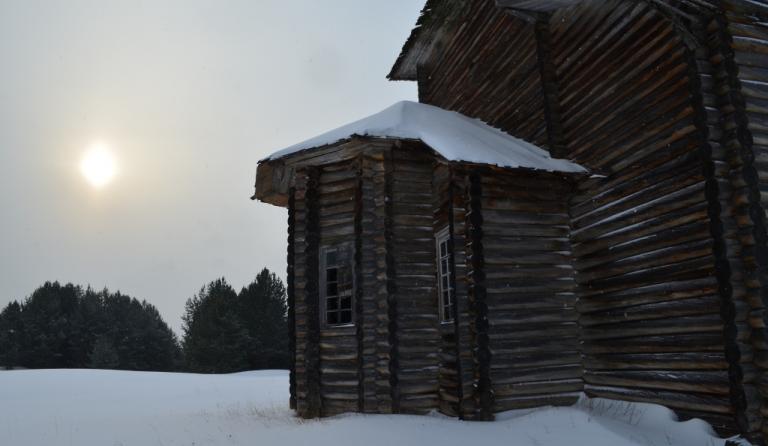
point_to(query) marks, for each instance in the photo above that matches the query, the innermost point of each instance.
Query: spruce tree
(264, 309)
(11, 336)
(60, 326)
(104, 355)
(215, 340)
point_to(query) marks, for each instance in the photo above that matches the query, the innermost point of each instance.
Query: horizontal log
(676, 400)
(705, 382)
(676, 343)
(509, 320)
(505, 362)
(504, 403)
(662, 292)
(660, 310)
(669, 326)
(657, 361)
(538, 388)
(537, 374)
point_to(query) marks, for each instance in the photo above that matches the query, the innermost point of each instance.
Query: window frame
(323, 288)
(444, 237)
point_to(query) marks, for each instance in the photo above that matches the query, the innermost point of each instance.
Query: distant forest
(68, 326)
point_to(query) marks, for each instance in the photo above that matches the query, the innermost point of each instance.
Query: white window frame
(445, 289)
(324, 251)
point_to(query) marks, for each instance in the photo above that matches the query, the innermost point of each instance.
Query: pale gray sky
(189, 95)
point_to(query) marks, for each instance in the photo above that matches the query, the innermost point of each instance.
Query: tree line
(68, 326)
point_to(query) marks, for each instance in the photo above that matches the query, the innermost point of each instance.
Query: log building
(612, 241)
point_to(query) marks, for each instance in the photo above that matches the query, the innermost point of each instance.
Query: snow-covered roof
(454, 136)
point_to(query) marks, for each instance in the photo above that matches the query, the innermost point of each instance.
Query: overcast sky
(189, 95)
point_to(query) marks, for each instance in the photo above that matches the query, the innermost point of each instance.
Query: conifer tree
(59, 326)
(11, 332)
(104, 355)
(227, 332)
(215, 340)
(264, 310)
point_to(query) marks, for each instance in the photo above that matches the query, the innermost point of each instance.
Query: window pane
(445, 309)
(338, 287)
(345, 278)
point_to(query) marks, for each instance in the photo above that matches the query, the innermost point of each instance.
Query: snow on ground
(117, 408)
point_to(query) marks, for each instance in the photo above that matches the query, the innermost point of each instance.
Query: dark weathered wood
(451, 390)
(552, 112)
(418, 333)
(311, 296)
(641, 240)
(489, 69)
(359, 279)
(535, 5)
(647, 282)
(291, 296)
(677, 400)
(393, 362)
(477, 296)
(723, 269)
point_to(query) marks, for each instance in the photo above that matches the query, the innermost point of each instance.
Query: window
(336, 286)
(445, 276)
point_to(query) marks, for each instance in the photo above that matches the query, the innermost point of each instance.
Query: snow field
(119, 408)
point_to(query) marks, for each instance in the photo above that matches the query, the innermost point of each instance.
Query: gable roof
(452, 135)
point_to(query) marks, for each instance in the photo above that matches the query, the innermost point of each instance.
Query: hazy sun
(98, 165)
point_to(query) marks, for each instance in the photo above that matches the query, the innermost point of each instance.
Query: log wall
(378, 204)
(704, 89)
(458, 360)
(337, 210)
(450, 382)
(650, 300)
(738, 43)
(463, 324)
(291, 297)
(482, 394)
(375, 273)
(487, 67)
(413, 251)
(306, 242)
(667, 246)
(528, 285)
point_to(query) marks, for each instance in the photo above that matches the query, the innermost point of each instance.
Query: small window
(445, 276)
(336, 287)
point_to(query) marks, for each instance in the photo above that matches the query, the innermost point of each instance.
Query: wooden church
(576, 205)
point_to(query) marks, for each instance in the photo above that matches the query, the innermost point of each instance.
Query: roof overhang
(453, 137)
(273, 180)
